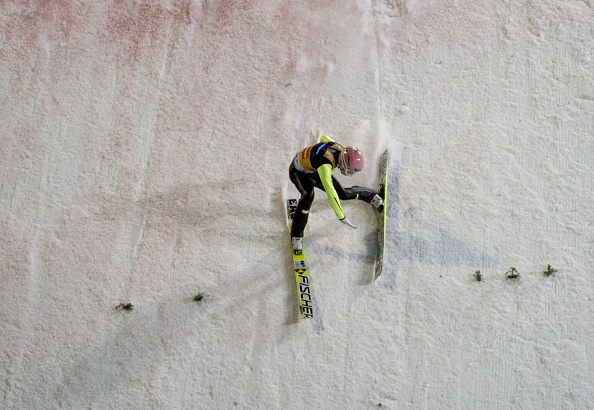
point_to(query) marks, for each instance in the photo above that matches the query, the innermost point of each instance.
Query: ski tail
(302, 278)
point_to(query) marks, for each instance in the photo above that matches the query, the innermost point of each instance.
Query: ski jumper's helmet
(350, 161)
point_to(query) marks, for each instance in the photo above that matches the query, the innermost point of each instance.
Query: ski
(301, 274)
(382, 215)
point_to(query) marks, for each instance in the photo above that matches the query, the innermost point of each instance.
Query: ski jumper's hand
(347, 222)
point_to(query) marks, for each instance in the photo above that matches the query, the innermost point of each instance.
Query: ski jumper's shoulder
(325, 153)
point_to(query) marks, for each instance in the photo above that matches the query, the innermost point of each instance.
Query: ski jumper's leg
(305, 186)
(356, 192)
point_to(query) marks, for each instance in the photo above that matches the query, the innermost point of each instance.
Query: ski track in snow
(144, 150)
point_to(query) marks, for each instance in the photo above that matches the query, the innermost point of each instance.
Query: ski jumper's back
(309, 159)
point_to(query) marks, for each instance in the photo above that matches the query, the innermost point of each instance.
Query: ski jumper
(312, 168)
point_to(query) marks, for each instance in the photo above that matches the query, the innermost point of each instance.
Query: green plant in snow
(512, 273)
(550, 270)
(125, 306)
(478, 275)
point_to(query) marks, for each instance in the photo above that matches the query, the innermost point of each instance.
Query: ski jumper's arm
(325, 172)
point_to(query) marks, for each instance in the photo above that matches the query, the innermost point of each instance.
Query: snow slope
(144, 148)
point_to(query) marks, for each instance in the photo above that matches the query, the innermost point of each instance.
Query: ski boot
(377, 202)
(297, 245)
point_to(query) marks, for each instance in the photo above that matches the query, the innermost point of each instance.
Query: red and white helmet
(350, 161)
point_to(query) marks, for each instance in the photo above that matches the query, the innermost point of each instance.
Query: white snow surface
(144, 148)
